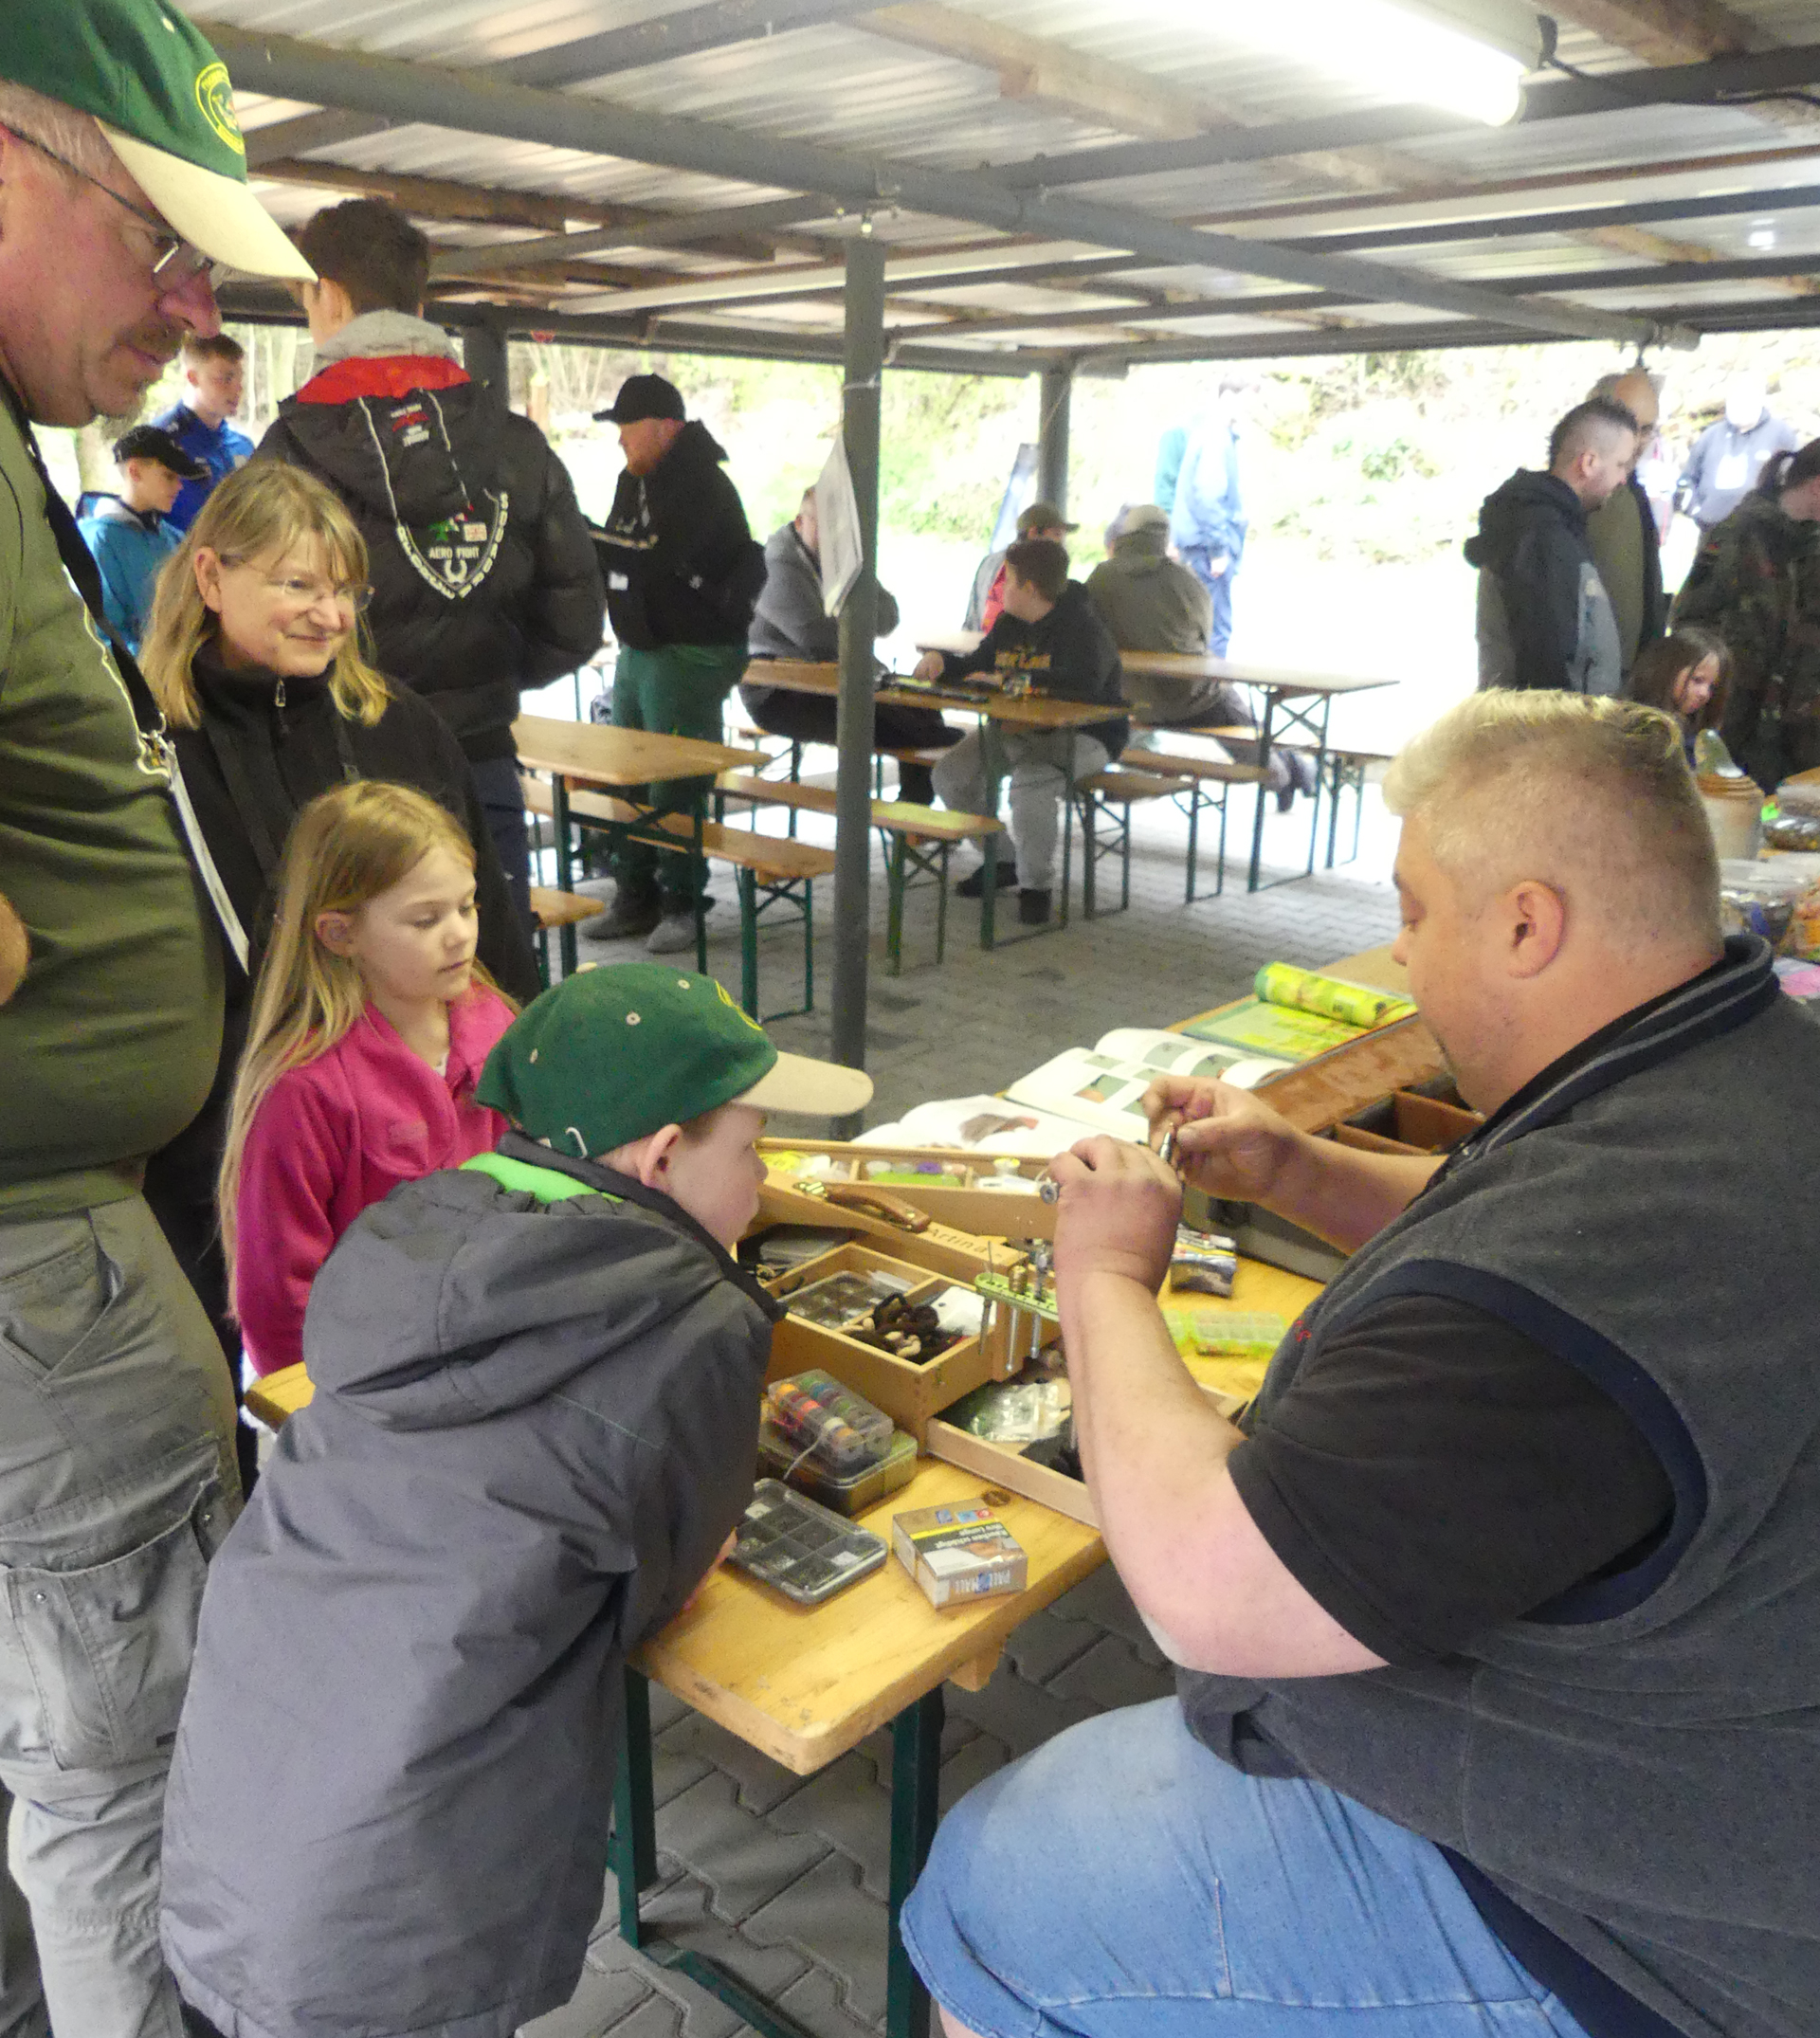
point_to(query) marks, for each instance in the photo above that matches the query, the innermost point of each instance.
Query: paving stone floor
(783, 1877)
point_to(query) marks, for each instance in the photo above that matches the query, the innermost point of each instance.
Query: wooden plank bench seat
(551, 908)
(771, 870)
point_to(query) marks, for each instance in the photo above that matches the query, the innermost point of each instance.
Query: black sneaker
(971, 887)
(630, 916)
(1033, 907)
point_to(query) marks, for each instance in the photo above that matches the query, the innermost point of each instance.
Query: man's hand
(16, 950)
(1227, 1142)
(928, 667)
(1118, 1212)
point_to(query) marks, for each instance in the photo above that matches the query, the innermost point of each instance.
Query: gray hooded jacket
(536, 1422)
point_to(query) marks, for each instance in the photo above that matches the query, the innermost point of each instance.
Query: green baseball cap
(165, 104)
(610, 1055)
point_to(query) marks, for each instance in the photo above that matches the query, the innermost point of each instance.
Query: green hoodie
(109, 1046)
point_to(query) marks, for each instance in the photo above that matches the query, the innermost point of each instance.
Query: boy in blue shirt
(131, 533)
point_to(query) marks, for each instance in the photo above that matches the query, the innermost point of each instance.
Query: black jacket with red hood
(482, 568)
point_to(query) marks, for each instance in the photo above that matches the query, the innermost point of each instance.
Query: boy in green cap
(534, 1426)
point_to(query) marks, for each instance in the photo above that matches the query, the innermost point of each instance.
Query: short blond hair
(1592, 796)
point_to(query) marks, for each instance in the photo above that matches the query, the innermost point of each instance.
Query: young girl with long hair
(370, 1023)
(1688, 675)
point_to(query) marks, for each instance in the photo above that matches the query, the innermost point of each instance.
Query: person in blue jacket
(1207, 521)
(131, 533)
(213, 382)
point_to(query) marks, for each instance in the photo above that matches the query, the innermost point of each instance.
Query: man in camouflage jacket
(1756, 580)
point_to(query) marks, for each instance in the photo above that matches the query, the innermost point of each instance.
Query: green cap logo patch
(215, 96)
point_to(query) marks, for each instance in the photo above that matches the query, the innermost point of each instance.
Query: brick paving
(783, 1877)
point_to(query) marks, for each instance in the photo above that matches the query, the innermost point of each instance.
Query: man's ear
(1536, 916)
(336, 932)
(659, 1150)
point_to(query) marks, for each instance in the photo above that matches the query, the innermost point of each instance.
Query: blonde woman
(254, 655)
(370, 1025)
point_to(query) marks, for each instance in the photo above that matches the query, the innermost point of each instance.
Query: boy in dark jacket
(483, 574)
(1049, 639)
(534, 1426)
(1544, 617)
(682, 574)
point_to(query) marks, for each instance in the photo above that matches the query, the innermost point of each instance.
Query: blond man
(1499, 1613)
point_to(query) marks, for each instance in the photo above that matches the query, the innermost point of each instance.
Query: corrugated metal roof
(846, 88)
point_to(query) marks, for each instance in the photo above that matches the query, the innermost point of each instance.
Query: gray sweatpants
(1038, 763)
(116, 1485)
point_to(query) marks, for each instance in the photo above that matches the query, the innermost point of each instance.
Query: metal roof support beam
(674, 229)
(862, 406)
(1053, 392)
(287, 67)
(1684, 84)
(1510, 226)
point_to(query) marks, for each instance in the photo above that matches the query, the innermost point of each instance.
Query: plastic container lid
(820, 1419)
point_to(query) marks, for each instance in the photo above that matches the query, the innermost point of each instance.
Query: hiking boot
(916, 785)
(630, 915)
(971, 887)
(674, 932)
(1033, 906)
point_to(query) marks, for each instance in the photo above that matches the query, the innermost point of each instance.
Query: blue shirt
(129, 548)
(219, 447)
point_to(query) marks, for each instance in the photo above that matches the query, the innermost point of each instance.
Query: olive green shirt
(109, 1045)
(1615, 533)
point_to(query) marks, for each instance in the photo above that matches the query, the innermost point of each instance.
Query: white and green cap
(165, 104)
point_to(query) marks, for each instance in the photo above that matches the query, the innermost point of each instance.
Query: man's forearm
(1344, 1195)
(15, 950)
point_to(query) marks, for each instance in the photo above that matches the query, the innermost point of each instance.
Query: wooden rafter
(1664, 31)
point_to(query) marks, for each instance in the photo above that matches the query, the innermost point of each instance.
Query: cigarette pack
(959, 1553)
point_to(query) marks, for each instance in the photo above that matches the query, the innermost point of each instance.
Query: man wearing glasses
(122, 178)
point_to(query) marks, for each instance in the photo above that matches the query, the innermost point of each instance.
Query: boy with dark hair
(213, 379)
(483, 572)
(534, 1426)
(1049, 639)
(131, 533)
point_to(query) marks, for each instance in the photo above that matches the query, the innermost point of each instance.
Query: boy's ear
(336, 932)
(658, 1150)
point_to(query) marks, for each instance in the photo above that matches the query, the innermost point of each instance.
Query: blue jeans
(1123, 1883)
(116, 1485)
(1198, 559)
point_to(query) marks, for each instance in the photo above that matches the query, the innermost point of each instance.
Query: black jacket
(680, 560)
(282, 757)
(1544, 618)
(483, 574)
(1070, 656)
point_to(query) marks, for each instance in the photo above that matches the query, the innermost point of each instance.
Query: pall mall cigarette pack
(959, 1553)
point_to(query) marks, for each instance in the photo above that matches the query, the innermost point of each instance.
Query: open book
(1102, 1087)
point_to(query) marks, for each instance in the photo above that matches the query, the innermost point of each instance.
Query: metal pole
(865, 364)
(1052, 435)
(484, 354)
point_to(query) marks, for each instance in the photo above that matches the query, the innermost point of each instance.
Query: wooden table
(1302, 701)
(1034, 713)
(627, 761)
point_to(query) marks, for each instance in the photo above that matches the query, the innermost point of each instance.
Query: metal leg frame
(1343, 774)
(1195, 801)
(1311, 718)
(905, 863)
(1094, 848)
(694, 807)
(756, 897)
(916, 1770)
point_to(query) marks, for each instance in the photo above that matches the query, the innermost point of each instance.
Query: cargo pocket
(109, 1648)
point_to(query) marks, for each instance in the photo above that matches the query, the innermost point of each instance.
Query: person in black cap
(682, 576)
(129, 532)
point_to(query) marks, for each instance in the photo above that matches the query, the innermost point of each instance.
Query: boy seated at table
(1048, 640)
(534, 1426)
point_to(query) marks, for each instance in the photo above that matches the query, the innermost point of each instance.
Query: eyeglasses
(174, 261)
(354, 594)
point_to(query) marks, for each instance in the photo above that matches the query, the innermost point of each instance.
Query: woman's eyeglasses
(356, 596)
(174, 261)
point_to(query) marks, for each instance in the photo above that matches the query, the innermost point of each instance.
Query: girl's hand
(1117, 1213)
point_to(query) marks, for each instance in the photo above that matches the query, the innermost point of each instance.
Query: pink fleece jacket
(339, 1132)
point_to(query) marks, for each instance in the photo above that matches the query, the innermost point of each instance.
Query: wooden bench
(1344, 771)
(917, 842)
(1188, 780)
(1097, 796)
(551, 908)
(770, 870)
